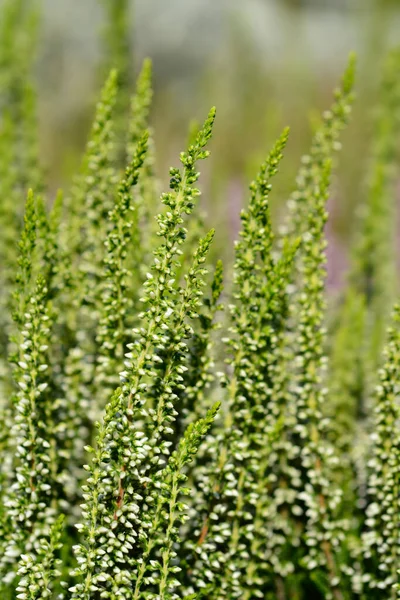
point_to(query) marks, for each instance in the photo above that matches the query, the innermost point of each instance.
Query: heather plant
(359, 333)
(18, 138)
(170, 426)
(372, 278)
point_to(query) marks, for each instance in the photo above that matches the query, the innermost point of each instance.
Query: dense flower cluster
(167, 435)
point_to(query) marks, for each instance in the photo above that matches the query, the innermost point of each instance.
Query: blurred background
(265, 64)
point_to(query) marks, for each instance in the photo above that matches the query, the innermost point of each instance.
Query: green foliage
(119, 54)
(112, 322)
(19, 164)
(381, 549)
(155, 445)
(361, 321)
(372, 277)
(38, 571)
(324, 143)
